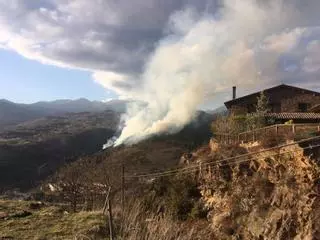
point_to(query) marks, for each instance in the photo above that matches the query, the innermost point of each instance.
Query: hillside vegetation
(31, 220)
(270, 195)
(33, 150)
(179, 186)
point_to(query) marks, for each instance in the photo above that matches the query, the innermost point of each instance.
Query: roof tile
(295, 115)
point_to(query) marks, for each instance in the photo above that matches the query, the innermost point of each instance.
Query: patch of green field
(49, 222)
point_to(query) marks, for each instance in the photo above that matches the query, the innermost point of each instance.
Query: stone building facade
(282, 99)
(296, 103)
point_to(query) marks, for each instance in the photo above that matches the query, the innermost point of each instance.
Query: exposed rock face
(270, 196)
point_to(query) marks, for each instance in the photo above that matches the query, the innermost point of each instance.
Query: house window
(303, 107)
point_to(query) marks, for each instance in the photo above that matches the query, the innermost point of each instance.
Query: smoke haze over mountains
(172, 57)
(243, 44)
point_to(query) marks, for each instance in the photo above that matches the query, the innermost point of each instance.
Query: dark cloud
(116, 36)
(99, 34)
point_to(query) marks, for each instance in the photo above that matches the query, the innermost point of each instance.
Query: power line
(195, 168)
(118, 164)
(222, 160)
(192, 169)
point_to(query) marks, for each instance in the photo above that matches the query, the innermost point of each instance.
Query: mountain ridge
(12, 113)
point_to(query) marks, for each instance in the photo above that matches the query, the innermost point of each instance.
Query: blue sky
(26, 81)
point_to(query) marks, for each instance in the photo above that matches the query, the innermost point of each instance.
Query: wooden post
(277, 129)
(106, 201)
(293, 129)
(110, 220)
(122, 197)
(122, 188)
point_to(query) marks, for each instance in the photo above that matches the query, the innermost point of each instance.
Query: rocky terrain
(272, 195)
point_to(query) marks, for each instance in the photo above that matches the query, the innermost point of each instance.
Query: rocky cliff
(271, 195)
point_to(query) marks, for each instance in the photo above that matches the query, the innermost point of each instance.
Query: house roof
(296, 115)
(234, 101)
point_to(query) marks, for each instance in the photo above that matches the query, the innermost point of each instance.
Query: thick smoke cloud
(203, 54)
(172, 56)
(113, 38)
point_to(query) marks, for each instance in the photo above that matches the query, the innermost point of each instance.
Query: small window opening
(303, 107)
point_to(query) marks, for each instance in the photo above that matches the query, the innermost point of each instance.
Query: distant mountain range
(219, 111)
(52, 134)
(14, 113)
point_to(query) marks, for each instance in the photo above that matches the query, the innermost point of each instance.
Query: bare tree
(70, 183)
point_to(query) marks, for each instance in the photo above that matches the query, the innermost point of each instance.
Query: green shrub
(178, 196)
(198, 211)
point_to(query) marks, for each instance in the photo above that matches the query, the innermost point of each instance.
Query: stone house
(285, 103)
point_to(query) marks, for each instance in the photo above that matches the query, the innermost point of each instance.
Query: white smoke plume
(204, 54)
(109, 143)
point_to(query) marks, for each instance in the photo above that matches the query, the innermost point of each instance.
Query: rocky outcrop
(274, 195)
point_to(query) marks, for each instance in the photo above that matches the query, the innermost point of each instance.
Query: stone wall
(282, 99)
(238, 110)
(292, 104)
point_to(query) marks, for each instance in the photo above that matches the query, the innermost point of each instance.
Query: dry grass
(49, 222)
(139, 224)
(271, 197)
(268, 197)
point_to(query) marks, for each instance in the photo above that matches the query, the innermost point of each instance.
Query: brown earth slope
(272, 195)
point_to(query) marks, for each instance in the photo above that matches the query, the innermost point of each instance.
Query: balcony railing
(289, 131)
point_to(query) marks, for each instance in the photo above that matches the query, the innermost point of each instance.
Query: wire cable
(215, 163)
(239, 156)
